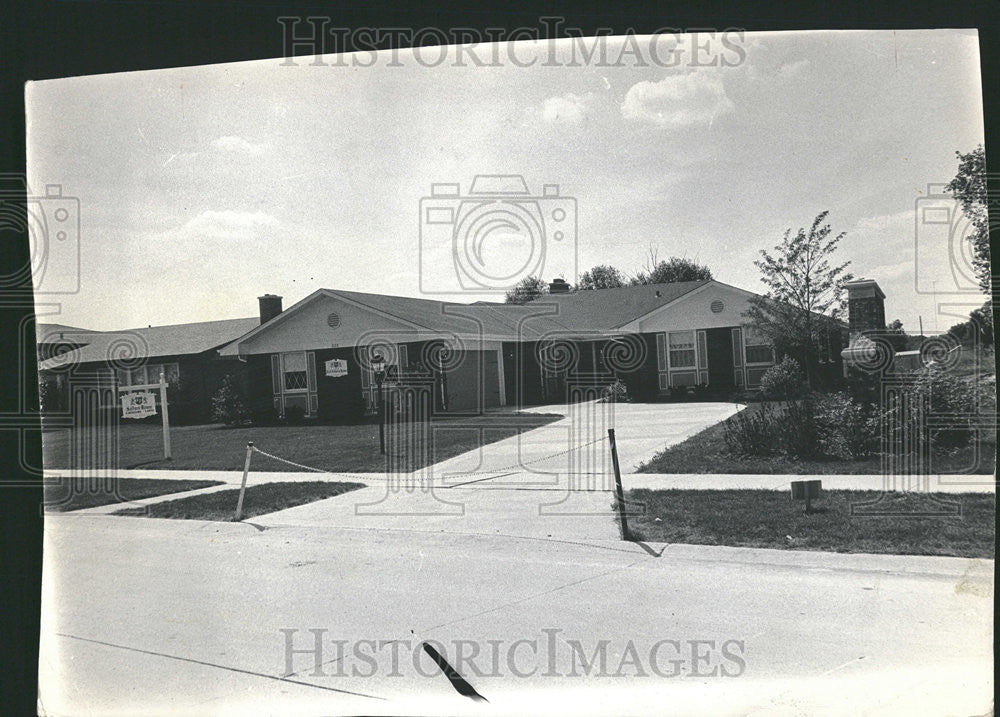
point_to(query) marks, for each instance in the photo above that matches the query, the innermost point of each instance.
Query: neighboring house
(186, 353)
(315, 357)
(55, 339)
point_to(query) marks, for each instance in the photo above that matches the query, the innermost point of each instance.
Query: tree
(672, 270)
(969, 188)
(527, 289)
(601, 276)
(805, 293)
(896, 335)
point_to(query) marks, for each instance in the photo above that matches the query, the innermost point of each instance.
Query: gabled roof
(608, 309)
(154, 341)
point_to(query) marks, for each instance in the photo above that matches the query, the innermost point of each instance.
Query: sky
(201, 188)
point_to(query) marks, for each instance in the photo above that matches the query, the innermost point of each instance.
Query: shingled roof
(155, 341)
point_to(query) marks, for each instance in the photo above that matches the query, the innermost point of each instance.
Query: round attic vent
(333, 320)
(717, 307)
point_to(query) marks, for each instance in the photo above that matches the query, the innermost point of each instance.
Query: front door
(720, 358)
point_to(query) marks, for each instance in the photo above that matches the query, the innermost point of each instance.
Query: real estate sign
(138, 405)
(336, 368)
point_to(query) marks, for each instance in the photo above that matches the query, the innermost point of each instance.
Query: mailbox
(807, 490)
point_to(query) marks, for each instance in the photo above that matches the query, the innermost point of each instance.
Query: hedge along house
(314, 359)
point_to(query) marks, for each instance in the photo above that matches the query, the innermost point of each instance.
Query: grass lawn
(707, 452)
(76, 494)
(258, 500)
(332, 448)
(770, 519)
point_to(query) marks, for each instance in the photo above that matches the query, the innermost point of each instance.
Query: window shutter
(276, 381)
(702, 351)
(311, 382)
(661, 352)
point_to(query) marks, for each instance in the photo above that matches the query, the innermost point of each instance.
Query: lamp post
(378, 365)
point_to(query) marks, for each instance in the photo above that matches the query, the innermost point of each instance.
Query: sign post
(166, 416)
(140, 405)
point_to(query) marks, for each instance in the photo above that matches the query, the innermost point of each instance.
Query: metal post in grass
(619, 493)
(243, 485)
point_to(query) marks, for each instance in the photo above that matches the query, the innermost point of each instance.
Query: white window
(760, 353)
(682, 354)
(293, 372)
(148, 374)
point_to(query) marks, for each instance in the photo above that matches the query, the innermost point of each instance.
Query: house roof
(154, 341)
(577, 313)
(54, 333)
(608, 309)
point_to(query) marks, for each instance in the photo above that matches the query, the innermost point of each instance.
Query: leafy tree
(601, 276)
(969, 188)
(527, 289)
(672, 270)
(896, 335)
(805, 293)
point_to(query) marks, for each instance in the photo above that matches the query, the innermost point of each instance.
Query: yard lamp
(378, 365)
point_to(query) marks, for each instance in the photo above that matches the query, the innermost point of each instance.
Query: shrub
(795, 430)
(847, 428)
(751, 433)
(962, 399)
(616, 392)
(784, 381)
(228, 403)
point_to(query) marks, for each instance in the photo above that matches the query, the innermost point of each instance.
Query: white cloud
(567, 108)
(679, 100)
(224, 225)
(231, 143)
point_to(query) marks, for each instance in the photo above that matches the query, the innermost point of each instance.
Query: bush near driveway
(783, 381)
(717, 450)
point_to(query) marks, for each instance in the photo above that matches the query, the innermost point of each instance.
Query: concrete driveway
(553, 482)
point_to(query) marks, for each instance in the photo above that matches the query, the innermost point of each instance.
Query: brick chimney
(559, 286)
(865, 307)
(270, 306)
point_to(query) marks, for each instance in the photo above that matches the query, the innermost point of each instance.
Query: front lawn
(345, 448)
(707, 452)
(78, 493)
(770, 519)
(258, 500)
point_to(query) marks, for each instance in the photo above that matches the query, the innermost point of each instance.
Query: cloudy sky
(201, 188)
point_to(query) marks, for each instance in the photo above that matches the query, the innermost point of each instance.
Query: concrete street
(146, 616)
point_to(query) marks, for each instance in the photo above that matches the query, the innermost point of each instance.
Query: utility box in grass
(807, 490)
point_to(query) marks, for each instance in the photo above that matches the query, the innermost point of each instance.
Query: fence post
(619, 493)
(243, 485)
